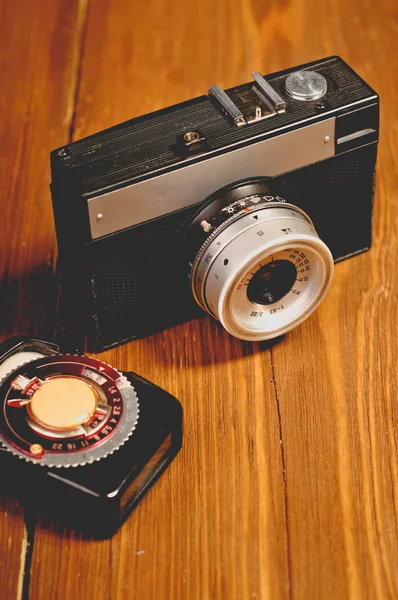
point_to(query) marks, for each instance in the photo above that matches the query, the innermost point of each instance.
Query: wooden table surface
(287, 484)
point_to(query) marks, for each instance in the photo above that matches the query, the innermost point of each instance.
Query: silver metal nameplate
(191, 184)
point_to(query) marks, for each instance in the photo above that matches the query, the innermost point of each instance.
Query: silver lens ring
(272, 249)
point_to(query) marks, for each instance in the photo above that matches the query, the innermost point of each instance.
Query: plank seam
(81, 39)
(27, 549)
(278, 408)
(76, 74)
(22, 564)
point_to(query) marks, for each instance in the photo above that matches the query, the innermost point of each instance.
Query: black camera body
(123, 197)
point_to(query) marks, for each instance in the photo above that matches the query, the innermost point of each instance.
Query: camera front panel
(337, 194)
(137, 281)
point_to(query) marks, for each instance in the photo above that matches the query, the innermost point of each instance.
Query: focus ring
(224, 225)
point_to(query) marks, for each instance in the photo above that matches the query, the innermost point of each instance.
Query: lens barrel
(258, 264)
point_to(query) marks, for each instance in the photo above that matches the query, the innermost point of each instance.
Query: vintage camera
(220, 203)
(79, 439)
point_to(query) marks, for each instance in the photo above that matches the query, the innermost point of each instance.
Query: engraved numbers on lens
(275, 277)
(275, 288)
(271, 281)
(256, 313)
(273, 311)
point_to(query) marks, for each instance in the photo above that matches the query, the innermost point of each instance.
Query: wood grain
(287, 484)
(37, 72)
(338, 403)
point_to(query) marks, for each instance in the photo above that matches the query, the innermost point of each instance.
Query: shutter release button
(306, 86)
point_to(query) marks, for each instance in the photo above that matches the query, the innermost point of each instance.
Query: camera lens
(258, 264)
(272, 282)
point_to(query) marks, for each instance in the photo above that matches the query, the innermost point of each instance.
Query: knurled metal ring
(52, 450)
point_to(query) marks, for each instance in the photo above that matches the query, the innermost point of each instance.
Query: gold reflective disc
(63, 403)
